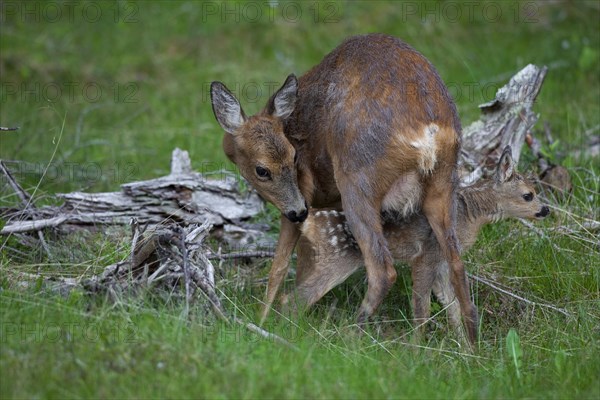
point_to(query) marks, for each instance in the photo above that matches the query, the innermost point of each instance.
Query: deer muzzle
(543, 212)
(299, 215)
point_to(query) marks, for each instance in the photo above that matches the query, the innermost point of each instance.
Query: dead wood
(504, 121)
(184, 197)
(495, 286)
(25, 199)
(167, 258)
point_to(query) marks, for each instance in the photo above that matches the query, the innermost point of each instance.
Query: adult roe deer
(332, 254)
(372, 126)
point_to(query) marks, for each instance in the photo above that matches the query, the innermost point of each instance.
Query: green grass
(153, 63)
(55, 347)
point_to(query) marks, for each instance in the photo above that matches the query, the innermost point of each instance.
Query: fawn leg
(444, 292)
(422, 282)
(324, 272)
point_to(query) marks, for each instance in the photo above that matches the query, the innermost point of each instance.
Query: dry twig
(516, 296)
(25, 201)
(170, 256)
(245, 254)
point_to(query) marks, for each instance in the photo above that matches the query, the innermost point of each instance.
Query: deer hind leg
(321, 272)
(439, 208)
(442, 288)
(364, 220)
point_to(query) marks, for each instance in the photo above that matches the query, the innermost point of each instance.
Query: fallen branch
(183, 196)
(186, 271)
(245, 254)
(25, 202)
(165, 258)
(265, 334)
(516, 296)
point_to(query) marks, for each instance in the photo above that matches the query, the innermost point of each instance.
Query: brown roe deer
(328, 254)
(372, 127)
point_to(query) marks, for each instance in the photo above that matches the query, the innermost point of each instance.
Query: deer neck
(476, 207)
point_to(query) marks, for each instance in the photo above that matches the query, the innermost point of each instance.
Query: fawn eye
(528, 196)
(263, 173)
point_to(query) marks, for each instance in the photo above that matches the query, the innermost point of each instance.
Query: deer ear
(226, 108)
(506, 166)
(282, 103)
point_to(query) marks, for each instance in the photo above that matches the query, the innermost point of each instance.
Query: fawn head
(516, 195)
(259, 147)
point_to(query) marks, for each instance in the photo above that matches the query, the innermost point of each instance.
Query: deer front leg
(363, 216)
(288, 236)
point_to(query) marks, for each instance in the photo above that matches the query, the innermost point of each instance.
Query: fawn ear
(506, 166)
(226, 108)
(282, 103)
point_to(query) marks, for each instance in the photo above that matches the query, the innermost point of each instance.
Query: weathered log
(504, 121)
(183, 196)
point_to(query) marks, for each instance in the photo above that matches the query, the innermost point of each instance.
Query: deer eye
(528, 196)
(263, 173)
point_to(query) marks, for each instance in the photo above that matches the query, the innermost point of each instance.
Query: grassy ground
(103, 92)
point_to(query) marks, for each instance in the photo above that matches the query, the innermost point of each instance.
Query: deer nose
(544, 212)
(297, 216)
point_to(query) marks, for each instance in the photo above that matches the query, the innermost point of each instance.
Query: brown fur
(328, 253)
(371, 116)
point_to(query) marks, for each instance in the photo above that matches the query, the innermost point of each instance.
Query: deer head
(516, 195)
(259, 147)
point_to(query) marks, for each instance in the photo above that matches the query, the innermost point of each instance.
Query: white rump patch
(426, 146)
